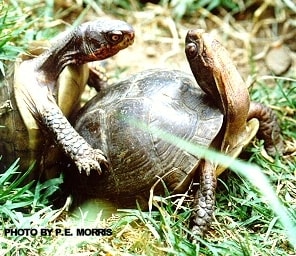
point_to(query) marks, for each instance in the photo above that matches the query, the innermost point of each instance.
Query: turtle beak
(194, 35)
(129, 38)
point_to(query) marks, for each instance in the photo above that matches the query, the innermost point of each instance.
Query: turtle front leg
(269, 129)
(85, 157)
(204, 200)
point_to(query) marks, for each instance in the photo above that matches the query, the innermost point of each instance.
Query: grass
(23, 206)
(19, 25)
(248, 221)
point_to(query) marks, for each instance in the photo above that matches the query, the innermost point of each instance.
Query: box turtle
(40, 93)
(216, 114)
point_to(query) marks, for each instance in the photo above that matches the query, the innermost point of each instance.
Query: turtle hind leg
(98, 78)
(204, 200)
(269, 129)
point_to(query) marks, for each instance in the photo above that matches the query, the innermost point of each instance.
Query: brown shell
(13, 133)
(168, 100)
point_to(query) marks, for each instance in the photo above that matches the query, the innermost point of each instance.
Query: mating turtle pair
(41, 92)
(219, 115)
(213, 110)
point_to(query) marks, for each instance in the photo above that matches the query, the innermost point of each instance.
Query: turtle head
(217, 75)
(200, 52)
(100, 39)
(90, 41)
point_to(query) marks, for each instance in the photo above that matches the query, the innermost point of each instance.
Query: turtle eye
(114, 36)
(191, 50)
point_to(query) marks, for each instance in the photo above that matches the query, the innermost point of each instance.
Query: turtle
(210, 107)
(41, 92)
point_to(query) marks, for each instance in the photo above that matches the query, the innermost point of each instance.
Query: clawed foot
(92, 160)
(204, 200)
(202, 217)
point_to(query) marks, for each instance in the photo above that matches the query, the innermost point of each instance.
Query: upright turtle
(218, 117)
(218, 77)
(36, 100)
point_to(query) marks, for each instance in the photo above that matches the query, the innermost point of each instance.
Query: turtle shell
(168, 100)
(14, 135)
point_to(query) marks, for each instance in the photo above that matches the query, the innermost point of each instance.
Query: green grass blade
(252, 172)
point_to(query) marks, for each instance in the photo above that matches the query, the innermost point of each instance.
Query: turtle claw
(87, 165)
(101, 158)
(92, 161)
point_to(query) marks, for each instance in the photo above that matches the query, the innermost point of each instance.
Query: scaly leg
(269, 129)
(204, 200)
